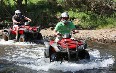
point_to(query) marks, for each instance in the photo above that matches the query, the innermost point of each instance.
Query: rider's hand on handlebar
(29, 21)
(75, 31)
(18, 22)
(58, 34)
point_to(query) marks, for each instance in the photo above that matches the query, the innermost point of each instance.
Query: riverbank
(100, 35)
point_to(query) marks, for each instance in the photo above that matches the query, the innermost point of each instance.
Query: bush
(89, 14)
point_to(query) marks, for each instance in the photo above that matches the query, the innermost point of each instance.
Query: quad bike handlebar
(67, 35)
(26, 23)
(23, 23)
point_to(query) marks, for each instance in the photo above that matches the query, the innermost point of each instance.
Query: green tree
(19, 4)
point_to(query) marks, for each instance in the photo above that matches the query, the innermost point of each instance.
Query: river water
(17, 57)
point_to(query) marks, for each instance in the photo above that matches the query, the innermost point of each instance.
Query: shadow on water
(29, 59)
(10, 67)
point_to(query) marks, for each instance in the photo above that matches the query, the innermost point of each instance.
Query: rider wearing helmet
(64, 26)
(18, 20)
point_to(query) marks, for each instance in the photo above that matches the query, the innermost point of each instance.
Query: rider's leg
(58, 38)
(15, 28)
(17, 34)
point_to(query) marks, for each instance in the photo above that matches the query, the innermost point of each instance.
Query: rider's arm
(57, 33)
(14, 21)
(26, 18)
(57, 28)
(74, 30)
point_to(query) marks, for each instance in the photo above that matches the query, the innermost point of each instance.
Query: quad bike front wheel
(6, 36)
(22, 38)
(55, 57)
(83, 54)
(39, 36)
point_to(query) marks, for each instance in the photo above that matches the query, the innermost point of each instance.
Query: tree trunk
(19, 4)
(52, 1)
(26, 2)
(1, 2)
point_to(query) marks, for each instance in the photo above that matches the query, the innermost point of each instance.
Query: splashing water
(34, 59)
(11, 42)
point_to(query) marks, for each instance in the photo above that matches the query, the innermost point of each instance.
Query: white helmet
(17, 12)
(64, 14)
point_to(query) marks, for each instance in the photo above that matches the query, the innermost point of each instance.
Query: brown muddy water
(16, 57)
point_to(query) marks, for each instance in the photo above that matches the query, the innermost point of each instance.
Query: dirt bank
(101, 35)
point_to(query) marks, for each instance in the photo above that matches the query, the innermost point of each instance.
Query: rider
(64, 26)
(18, 20)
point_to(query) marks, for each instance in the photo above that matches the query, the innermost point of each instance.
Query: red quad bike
(25, 33)
(67, 49)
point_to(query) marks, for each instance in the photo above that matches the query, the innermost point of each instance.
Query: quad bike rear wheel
(6, 36)
(47, 51)
(45, 55)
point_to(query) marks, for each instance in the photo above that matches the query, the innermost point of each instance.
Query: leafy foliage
(91, 14)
